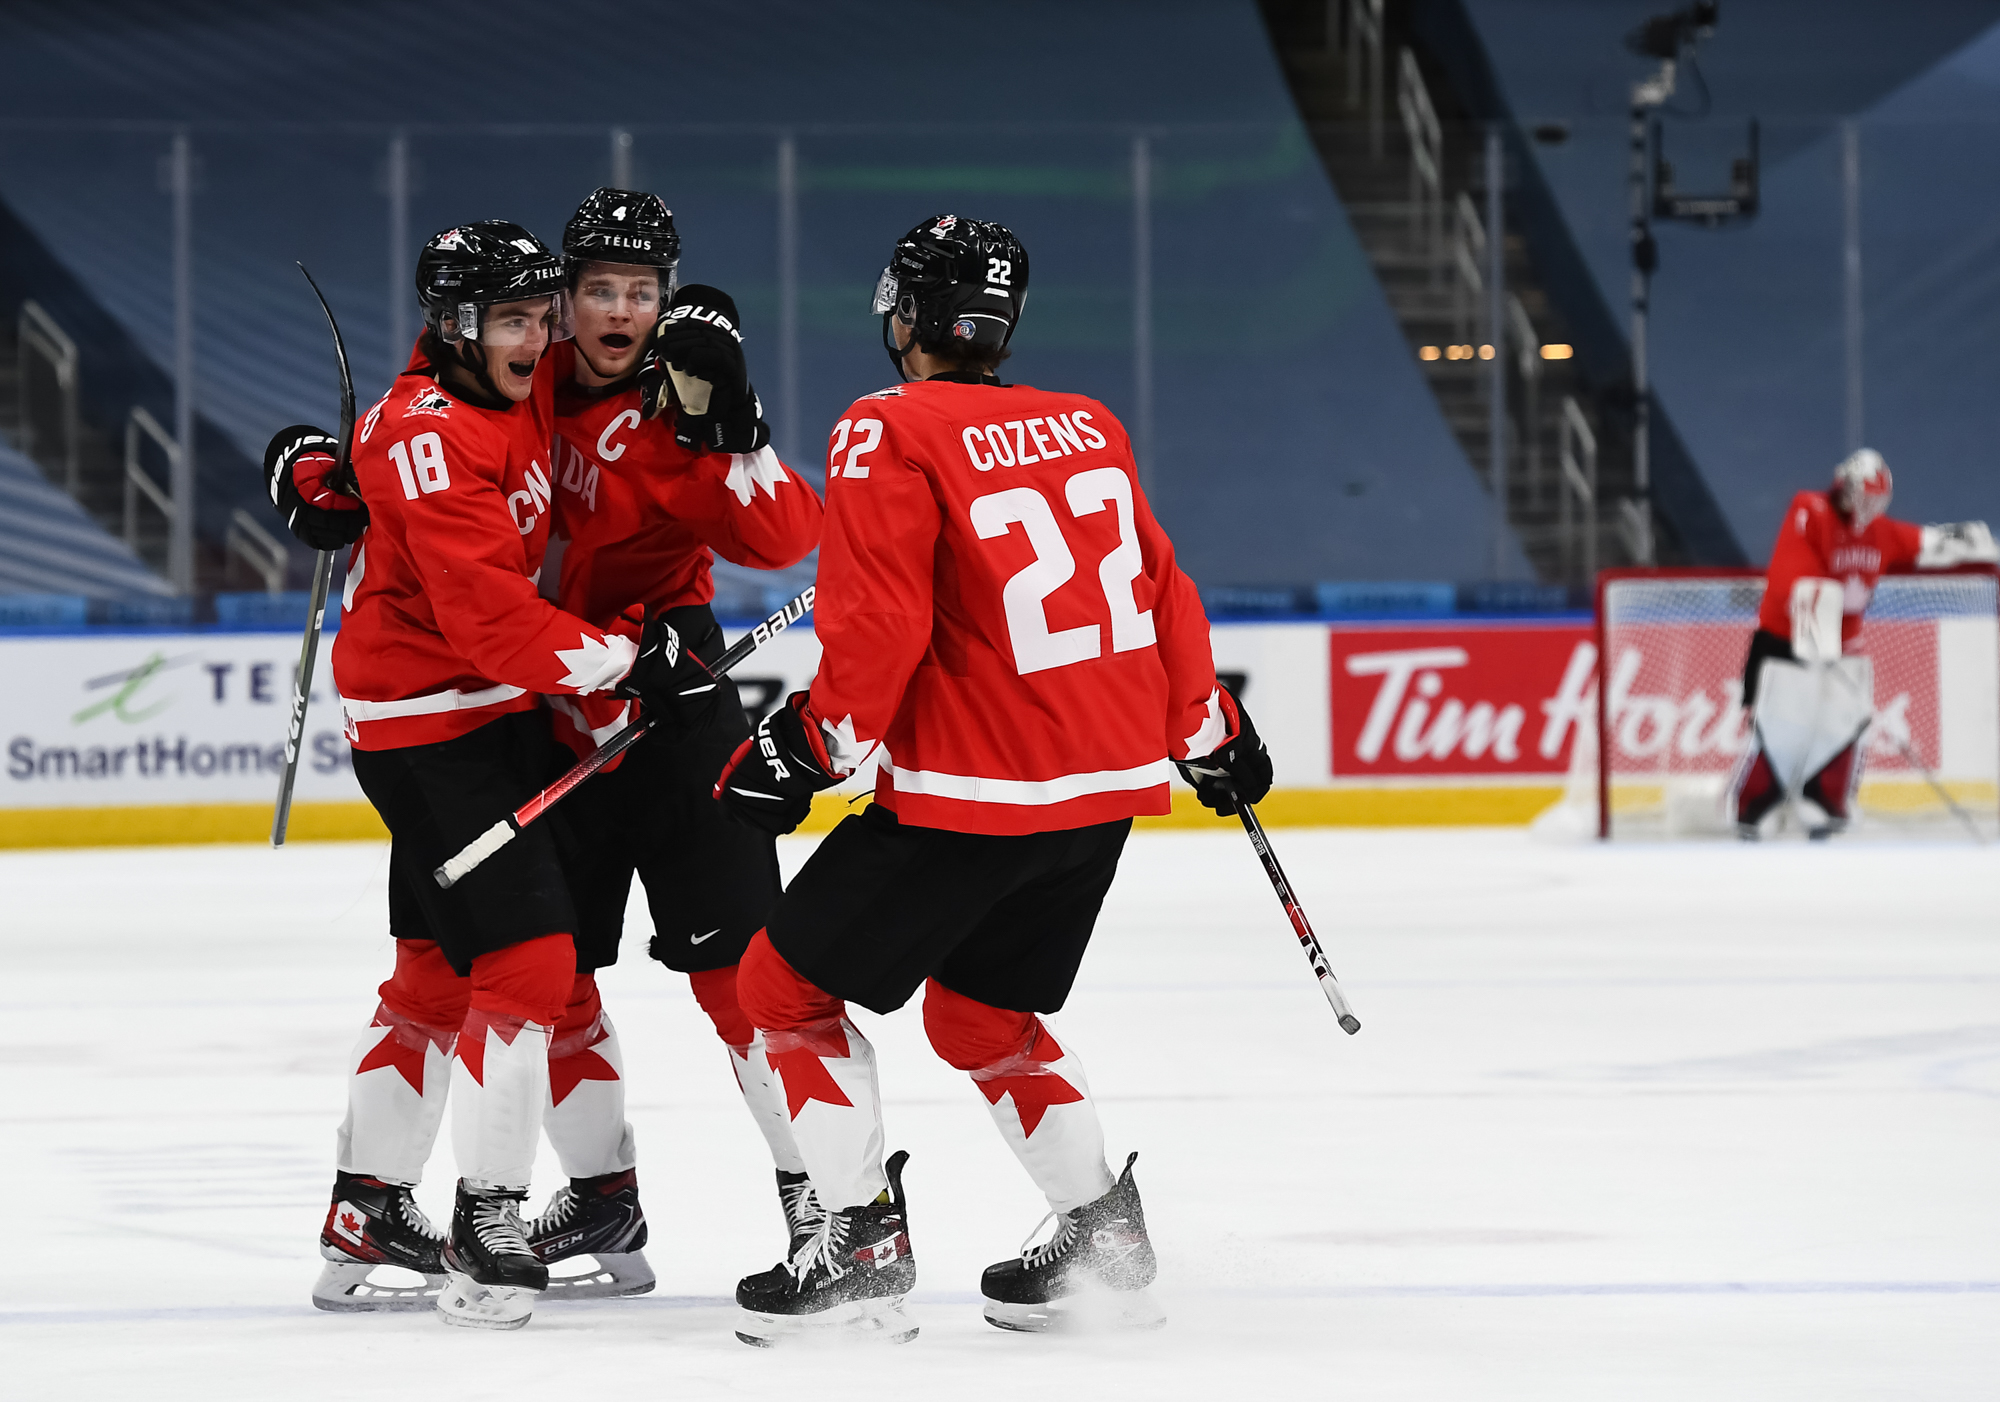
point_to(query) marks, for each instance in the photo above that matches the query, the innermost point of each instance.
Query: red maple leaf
(1033, 1092)
(349, 1222)
(805, 1076)
(567, 1072)
(394, 1050)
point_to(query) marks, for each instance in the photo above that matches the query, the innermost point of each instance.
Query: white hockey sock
(585, 1118)
(500, 1084)
(1041, 1103)
(827, 1073)
(764, 1094)
(398, 1076)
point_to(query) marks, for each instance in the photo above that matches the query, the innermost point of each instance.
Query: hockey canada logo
(434, 402)
(448, 241)
(945, 225)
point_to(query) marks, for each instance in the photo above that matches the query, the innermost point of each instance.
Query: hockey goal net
(1671, 725)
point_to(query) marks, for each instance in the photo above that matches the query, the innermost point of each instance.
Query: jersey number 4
(1036, 649)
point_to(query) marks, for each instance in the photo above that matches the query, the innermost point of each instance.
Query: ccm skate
(599, 1218)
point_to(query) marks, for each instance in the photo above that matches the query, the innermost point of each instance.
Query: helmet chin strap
(889, 344)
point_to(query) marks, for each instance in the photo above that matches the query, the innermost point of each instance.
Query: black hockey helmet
(955, 280)
(465, 269)
(624, 226)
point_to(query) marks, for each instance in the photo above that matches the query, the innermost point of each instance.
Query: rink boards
(156, 737)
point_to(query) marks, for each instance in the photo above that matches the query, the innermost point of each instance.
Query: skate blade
(1087, 1312)
(858, 1321)
(469, 1305)
(359, 1288)
(600, 1277)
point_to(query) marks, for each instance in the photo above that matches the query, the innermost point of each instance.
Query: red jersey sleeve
(751, 509)
(1900, 542)
(1799, 553)
(466, 545)
(873, 613)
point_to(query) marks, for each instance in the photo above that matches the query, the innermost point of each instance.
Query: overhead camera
(1665, 36)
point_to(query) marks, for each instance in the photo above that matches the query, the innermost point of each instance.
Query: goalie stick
(457, 868)
(322, 585)
(1915, 761)
(1308, 941)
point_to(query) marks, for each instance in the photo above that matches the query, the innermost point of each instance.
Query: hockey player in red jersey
(1003, 622)
(648, 492)
(443, 651)
(1831, 550)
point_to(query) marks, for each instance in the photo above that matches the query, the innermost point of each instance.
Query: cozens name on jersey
(1019, 442)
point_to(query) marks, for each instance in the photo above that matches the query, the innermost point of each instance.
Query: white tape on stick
(487, 843)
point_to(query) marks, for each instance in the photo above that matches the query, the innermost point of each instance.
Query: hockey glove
(697, 350)
(318, 503)
(669, 680)
(770, 780)
(1237, 771)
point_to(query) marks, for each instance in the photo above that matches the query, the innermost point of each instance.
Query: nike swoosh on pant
(697, 939)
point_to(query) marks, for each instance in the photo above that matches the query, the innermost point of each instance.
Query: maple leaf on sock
(566, 1073)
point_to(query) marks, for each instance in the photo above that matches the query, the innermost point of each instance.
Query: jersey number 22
(1036, 649)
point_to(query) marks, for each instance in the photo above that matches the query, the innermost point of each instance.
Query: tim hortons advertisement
(1449, 702)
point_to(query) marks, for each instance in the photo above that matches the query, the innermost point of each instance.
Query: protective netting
(1673, 645)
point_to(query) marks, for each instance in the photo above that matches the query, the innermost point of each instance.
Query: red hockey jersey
(643, 519)
(441, 626)
(999, 610)
(641, 514)
(1816, 542)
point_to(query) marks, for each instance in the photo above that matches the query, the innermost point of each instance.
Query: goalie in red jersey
(1004, 626)
(1811, 703)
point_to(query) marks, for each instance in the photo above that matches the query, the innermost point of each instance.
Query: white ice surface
(1697, 1122)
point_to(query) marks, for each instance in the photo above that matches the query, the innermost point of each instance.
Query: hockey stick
(322, 584)
(1316, 956)
(1915, 762)
(457, 868)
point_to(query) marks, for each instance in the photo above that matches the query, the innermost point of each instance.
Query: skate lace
(563, 1205)
(802, 1209)
(498, 1226)
(414, 1219)
(1035, 1257)
(827, 1247)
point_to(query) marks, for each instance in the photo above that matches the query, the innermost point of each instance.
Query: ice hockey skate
(381, 1252)
(1092, 1274)
(803, 1214)
(493, 1275)
(595, 1227)
(846, 1281)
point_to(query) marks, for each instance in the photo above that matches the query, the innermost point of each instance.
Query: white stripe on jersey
(1030, 792)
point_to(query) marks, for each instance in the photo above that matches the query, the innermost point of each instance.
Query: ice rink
(1641, 1122)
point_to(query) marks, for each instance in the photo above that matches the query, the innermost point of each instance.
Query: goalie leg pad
(1834, 786)
(1807, 714)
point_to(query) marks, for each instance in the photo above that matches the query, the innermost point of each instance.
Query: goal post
(1671, 726)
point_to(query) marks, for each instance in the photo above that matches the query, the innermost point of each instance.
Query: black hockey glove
(1239, 771)
(319, 504)
(697, 353)
(669, 680)
(770, 780)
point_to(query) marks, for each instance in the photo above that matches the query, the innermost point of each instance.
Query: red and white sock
(763, 1093)
(500, 1078)
(397, 1078)
(400, 1069)
(826, 1070)
(585, 1118)
(1035, 1089)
